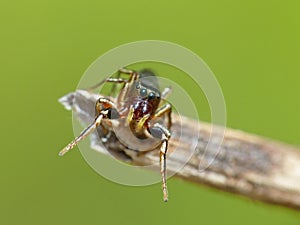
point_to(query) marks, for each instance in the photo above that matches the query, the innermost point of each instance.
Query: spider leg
(126, 71)
(112, 113)
(103, 104)
(162, 133)
(165, 109)
(82, 135)
(117, 80)
(133, 76)
(114, 80)
(113, 89)
(166, 92)
(104, 109)
(127, 86)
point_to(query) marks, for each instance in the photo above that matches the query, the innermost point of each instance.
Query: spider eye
(143, 92)
(151, 96)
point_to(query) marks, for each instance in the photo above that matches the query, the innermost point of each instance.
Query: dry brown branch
(248, 165)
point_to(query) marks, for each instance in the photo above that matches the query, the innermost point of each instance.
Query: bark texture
(223, 158)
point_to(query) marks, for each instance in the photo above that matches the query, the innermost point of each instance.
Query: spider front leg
(165, 109)
(104, 109)
(160, 132)
(107, 106)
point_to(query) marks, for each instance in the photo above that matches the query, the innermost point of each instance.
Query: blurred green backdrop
(252, 47)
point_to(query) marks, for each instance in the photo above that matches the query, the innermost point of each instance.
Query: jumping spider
(138, 106)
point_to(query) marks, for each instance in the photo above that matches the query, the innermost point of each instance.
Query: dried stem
(243, 163)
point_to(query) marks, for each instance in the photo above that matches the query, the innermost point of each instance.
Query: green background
(251, 46)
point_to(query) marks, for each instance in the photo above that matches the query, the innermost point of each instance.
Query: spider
(138, 107)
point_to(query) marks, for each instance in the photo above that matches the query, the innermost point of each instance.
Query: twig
(246, 164)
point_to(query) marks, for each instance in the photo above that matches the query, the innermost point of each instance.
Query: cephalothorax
(137, 108)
